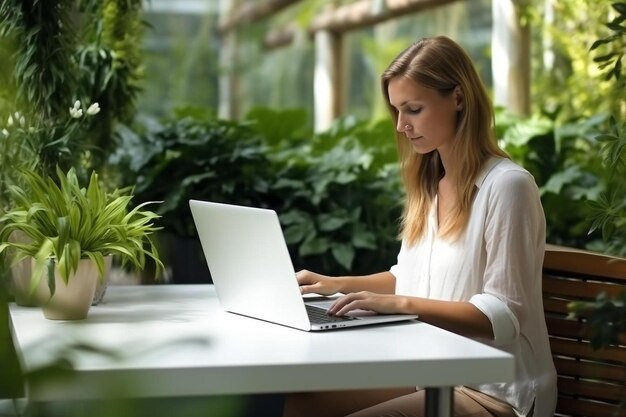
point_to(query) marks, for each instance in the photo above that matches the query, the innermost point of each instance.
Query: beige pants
(401, 402)
(467, 402)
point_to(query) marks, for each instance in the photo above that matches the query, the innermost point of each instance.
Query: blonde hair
(441, 64)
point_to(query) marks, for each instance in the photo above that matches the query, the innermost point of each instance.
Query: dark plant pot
(186, 259)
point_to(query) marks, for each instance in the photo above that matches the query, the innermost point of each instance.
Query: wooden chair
(590, 382)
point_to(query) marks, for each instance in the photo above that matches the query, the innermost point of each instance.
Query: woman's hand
(365, 300)
(311, 282)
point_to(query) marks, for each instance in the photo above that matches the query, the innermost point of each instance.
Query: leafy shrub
(342, 198)
(199, 158)
(337, 193)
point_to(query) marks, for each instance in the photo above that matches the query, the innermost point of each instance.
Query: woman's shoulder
(508, 181)
(504, 172)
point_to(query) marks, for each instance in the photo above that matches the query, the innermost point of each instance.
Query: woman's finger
(345, 300)
(353, 305)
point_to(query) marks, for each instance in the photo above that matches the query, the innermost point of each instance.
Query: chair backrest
(591, 382)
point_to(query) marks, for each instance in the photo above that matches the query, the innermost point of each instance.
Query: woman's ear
(458, 98)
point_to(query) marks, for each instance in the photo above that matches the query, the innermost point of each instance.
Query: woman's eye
(415, 110)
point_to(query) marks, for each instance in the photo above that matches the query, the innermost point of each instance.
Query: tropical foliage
(60, 52)
(607, 315)
(567, 83)
(42, 144)
(341, 197)
(196, 156)
(337, 193)
(609, 210)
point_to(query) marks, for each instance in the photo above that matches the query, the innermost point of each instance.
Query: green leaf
(297, 232)
(606, 57)
(364, 240)
(560, 179)
(617, 70)
(314, 246)
(294, 217)
(619, 7)
(332, 221)
(598, 43)
(344, 255)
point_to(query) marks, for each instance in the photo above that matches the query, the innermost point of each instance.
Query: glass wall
(371, 50)
(181, 49)
(182, 55)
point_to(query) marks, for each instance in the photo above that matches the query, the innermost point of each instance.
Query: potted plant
(70, 231)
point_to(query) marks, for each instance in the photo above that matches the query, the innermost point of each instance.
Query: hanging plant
(64, 51)
(45, 68)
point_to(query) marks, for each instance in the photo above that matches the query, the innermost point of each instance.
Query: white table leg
(439, 402)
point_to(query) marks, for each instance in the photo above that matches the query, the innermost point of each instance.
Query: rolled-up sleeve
(503, 321)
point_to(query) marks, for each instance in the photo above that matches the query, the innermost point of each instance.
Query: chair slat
(563, 327)
(584, 262)
(594, 390)
(578, 289)
(576, 349)
(576, 407)
(589, 370)
(553, 305)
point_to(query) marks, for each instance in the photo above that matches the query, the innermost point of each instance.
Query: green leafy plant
(44, 144)
(608, 318)
(61, 52)
(609, 210)
(615, 44)
(338, 193)
(44, 70)
(341, 197)
(65, 223)
(200, 158)
(566, 81)
(607, 315)
(16, 152)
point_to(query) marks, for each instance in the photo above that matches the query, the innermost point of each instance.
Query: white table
(174, 340)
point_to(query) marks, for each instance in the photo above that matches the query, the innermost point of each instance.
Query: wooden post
(328, 78)
(510, 60)
(228, 83)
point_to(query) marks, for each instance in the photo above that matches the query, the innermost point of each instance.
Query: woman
(473, 236)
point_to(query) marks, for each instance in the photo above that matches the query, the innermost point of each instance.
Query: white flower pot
(21, 273)
(72, 301)
(20, 285)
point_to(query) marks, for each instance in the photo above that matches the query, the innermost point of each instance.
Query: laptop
(253, 274)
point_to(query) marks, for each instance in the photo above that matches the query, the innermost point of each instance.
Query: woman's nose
(402, 126)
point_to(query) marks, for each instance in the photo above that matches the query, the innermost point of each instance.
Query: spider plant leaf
(41, 258)
(98, 259)
(69, 259)
(51, 276)
(63, 227)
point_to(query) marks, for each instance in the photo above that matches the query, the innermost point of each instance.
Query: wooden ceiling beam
(253, 12)
(353, 16)
(364, 14)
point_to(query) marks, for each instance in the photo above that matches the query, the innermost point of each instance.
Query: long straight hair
(441, 64)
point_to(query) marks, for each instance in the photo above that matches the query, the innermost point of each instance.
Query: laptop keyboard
(319, 315)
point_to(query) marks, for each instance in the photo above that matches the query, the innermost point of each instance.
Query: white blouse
(497, 266)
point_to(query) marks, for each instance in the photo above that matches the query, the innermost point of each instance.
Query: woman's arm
(311, 282)
(456, 316)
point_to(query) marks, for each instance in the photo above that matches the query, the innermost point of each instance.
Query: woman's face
(425, 116)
